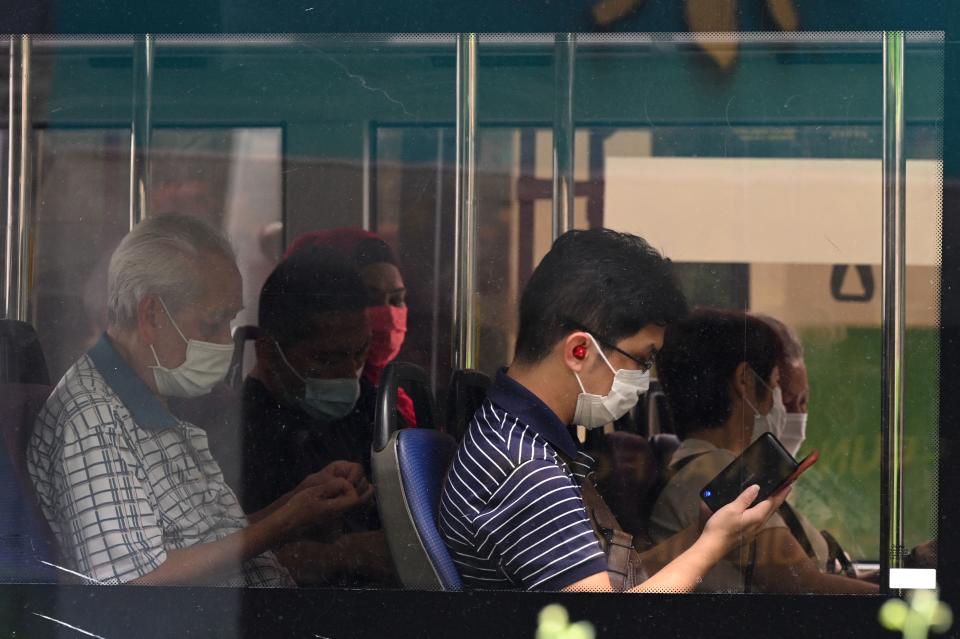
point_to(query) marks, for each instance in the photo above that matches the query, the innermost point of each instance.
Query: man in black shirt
(304, 407)
(283, 444)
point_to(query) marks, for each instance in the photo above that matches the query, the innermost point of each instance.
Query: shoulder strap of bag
(837, 556)
(663, 478)
(748, 571)
(673, 469)
(796, 529)
(623, 561)
(751, 565)
(669, 474)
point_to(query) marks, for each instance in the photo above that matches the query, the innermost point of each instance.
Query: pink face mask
(388, 327)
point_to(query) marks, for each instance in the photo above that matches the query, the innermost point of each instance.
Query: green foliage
(841, 493)
(554, 623)
(915, 618)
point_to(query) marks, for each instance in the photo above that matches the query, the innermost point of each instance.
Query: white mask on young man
(205, 366)
(595, 411)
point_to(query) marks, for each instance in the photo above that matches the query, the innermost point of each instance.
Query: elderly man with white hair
(131, 492)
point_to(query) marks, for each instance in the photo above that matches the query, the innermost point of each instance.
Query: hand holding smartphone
(765, 462)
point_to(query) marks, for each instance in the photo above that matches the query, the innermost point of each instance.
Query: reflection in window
(760, 182)
(230, 178)
(779, 178)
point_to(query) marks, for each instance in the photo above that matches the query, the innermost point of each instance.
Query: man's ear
(148, 312)
(743, 381)
(575, 350)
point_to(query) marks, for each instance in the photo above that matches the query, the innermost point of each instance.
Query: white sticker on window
(913, 578)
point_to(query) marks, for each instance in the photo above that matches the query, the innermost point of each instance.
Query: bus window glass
(784, 184)
(325, 169)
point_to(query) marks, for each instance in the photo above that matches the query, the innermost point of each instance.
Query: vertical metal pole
(140, 127)
(564, 52)
(367, 178)
(465, 223)
(437, 238)
(17, 270)
(13, 142)
(893, 301)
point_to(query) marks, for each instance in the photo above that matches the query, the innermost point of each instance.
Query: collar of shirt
(692, 446)
(513, 397)
(146, 408)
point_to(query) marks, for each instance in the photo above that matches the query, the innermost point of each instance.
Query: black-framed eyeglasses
(643, 364)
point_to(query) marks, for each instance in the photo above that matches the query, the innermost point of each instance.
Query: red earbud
(580, 351)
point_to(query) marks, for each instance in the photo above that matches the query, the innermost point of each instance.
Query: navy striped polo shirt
(511, 511)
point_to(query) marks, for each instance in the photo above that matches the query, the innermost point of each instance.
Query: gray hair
(792, 346)
(159, 257)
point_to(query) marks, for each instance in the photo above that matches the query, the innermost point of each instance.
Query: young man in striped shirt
(592, 317)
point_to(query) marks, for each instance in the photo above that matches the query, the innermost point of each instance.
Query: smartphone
(765, 462)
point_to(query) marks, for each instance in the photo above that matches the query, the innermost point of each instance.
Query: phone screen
(765, 462)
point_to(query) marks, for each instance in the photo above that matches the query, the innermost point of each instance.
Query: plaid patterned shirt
(122, 481)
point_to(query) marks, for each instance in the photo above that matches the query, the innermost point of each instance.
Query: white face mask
(205, 366)
(772, 422)
(327, 399)
(595, 411)
(794, 432)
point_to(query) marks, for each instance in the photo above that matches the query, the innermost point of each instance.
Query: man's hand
(736, 523)
(350, 471)
(321, 504)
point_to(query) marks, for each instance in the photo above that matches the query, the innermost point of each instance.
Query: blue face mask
(326, 399)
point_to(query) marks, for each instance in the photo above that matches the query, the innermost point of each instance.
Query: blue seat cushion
(424, 455)
(22, 542)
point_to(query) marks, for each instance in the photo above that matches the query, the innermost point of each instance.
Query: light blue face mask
(326, 399)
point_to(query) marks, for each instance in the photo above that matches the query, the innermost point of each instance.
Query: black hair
(698, 360)
(373, 250)
(312, 280)
(597, 280)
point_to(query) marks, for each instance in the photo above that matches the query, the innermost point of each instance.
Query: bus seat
(468, 389)
(21, 356)
(656, 410)
(664, 445)
(25, 535)
(241, 335)
(408, 469)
